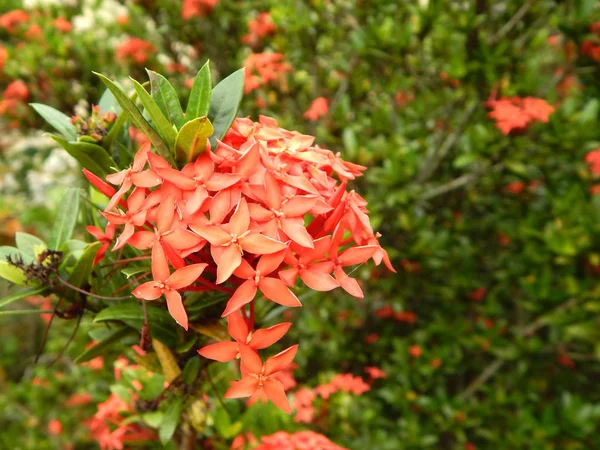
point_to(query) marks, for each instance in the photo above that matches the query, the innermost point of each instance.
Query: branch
(497, 364)
(432, 163)
(514, 20)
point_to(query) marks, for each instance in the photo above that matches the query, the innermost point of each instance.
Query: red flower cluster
(264, 68)
(591, 47)
(3, 57)
(239, 217)
(12, 19)
(14, 98)
(136, 50)
(102, 425)
(302, 440)
(514, 114)
(304, 398)
(593, 161)
(318, 108)
(258, 28)
(197, 8)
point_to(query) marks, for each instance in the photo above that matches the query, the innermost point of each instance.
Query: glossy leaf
(8, 271)
(170, 420)
(21, 295)
(137, 117)
(160, 122)
(104, 346)
(166, 98)
(108, 103)
(29, 244)
(224, 104)
(59, 121)
(66, 219)
(192, 139)
(84, 265)
(191, 370)
(199, 100)
(91, 156)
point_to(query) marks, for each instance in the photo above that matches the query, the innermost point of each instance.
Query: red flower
(478, 294)
(55, 427)
(258, 378)
(405, 316)
(136, 50)
(516, 187)
(3, 57)
(62, 24)
(318, 108)
(264, 68)
(238, 330)
(375, 373)
(515, 114)
(258, 28)
(593, 161)
(12, 19)
(415, 351)
(197, 8)
(167, 284)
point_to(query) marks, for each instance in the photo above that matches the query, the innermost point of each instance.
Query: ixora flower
(238, 207)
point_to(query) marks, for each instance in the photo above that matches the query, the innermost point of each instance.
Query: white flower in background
(82, 108)
(83, 23)
(164, 59)
(33, 4)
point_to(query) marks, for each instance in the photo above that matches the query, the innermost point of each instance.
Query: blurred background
(478, 122)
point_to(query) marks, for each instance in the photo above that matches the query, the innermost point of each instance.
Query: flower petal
(185, 276)
(177, 178)
(258, 244)
(276, 290)
(147, 291)
(237, 327)
(160, 266)
(142, 240)
(317, 280)
(181, 239)
(266, 337)
(221, 351)
(242, 296)
(275, 392)
(243, 388)
(213, 234)
(145, 179)
(165, 214)
(357, 255)
(350, 285)
(273, 192)
(176, 309)
(295, 230)
(240, 220)
(280, 361)
(298, 206)
(270, 263)
(251, 362)
(229, 260)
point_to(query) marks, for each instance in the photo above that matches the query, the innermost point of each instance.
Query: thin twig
(62, 352)
(101, 297)
(514, 20)
(497, 364)
(210, 380)
(43, 343)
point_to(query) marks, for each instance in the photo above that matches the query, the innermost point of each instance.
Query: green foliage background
(436, 186)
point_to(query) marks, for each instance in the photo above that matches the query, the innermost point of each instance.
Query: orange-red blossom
(264, 207)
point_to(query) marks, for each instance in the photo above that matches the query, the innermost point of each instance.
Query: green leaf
(84, 265)
(10, 272)
(191, 370)
(161, 123)
(72, 249)
(153, 418)
(166, 98)
(129, 271)
(30, 244)
(66, 219)
(108, 103)
(20, 295)
(59, 121)
(170, 420)
(192, 139)
(23, 312)
(91, 156)
(224, 104)
(115, 129)
(199, 100)
(162, 325)
(137, 117)
(103, 346)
